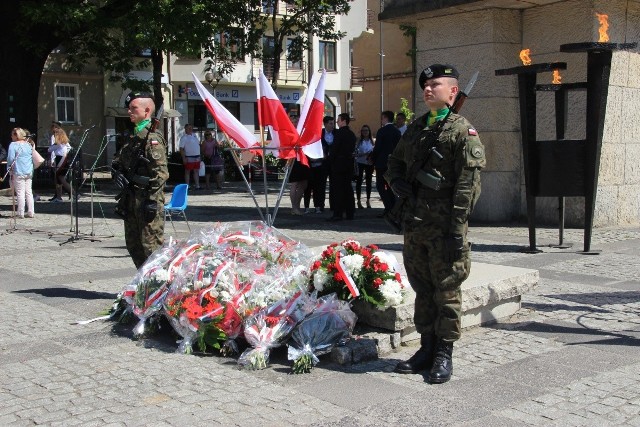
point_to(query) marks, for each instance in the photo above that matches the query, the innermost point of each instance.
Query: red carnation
(377, 282)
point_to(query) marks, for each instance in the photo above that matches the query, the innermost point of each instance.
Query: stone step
(491, 292)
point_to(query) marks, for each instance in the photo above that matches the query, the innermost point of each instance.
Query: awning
(123, 112)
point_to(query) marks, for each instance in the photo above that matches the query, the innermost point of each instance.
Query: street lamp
(210, 76)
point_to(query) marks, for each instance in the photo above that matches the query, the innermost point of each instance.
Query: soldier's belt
(428, 193)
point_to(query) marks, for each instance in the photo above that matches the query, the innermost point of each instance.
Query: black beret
(437, 70)
(136, 95)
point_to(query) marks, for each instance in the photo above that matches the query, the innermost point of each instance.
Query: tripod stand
(76, 173)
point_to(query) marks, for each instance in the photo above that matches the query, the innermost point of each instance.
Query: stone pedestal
(491, 292)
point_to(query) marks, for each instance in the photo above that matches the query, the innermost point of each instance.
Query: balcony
(357, 76)
(290, 72)
(282, 8)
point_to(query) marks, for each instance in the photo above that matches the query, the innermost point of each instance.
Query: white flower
(392, 292)
(353, 264)
(320, 278)
(388, 259)
(225, 296)
(299, 276)
(206, 280)
(161, 275)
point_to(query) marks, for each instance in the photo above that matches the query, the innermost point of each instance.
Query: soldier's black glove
(453, 245)
(402, 188)
(119, 179)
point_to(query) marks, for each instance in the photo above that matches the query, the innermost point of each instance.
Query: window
(268, 6)
(231, 41)
(327, 52)
(66, 103)
(293, 63)
(268, 50)
(349, 105)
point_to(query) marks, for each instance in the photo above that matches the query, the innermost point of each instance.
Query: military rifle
(416, 173)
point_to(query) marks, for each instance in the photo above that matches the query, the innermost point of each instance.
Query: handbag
(217, 163)
(36, 157)
(201, 172)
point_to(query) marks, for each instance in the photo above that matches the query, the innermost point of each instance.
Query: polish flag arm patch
(154, 142)
(473, 132)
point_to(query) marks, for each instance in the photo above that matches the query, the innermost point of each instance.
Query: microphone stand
(74, 165)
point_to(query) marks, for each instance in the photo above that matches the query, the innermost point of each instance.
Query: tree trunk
(157, 61)
(20, 72)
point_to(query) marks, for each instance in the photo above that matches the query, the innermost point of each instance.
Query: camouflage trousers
(438, 304)
(143, 237)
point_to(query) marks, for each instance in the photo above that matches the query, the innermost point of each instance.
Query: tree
(303, 20)
(32, 29)
(176, 26)
(108, 32)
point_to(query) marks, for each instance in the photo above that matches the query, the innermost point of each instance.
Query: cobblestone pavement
(571, 356)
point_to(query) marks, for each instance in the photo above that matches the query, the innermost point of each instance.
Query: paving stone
(570, 352)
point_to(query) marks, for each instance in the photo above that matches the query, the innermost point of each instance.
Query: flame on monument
(604, 27)
(556, 77)
(524, 56)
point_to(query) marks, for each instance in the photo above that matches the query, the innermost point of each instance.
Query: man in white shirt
(190, 151)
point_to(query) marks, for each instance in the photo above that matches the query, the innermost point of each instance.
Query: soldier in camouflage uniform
(436, 251)
(143, 156)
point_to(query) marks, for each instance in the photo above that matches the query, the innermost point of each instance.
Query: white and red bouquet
(355, 271)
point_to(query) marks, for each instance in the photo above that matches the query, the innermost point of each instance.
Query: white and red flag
(227, 122)
(310, 124)
(271, 112)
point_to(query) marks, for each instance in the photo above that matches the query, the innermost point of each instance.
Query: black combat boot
(442, 365)
(420, 361)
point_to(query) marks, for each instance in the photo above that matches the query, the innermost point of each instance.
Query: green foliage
(404, 108)
(210, 336)
(409, 31)
(303, 364)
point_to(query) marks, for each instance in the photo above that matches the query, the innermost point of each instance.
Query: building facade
(480, 36)
(237, 90)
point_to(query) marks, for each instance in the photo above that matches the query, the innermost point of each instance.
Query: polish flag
(310, 124)
(226, 121)
(348, 280)
(271, 113)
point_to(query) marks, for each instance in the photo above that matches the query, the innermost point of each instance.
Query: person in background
(52, 140)
(21, 163)
(211, 151)
(401, 122)
(364, 147)
(60, 150)
(327, 141)
(190, 151)
(298, 179)
(436, 250)
(315, 186)
(341, 162)
(387, 138)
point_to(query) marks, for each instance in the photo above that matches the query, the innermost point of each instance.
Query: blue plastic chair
(177, 204)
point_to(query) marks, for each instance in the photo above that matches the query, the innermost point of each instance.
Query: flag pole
(234, 154)
(287, 171)
(264, 160)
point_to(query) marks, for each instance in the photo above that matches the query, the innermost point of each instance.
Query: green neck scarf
(438, 115)
(142, 125)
